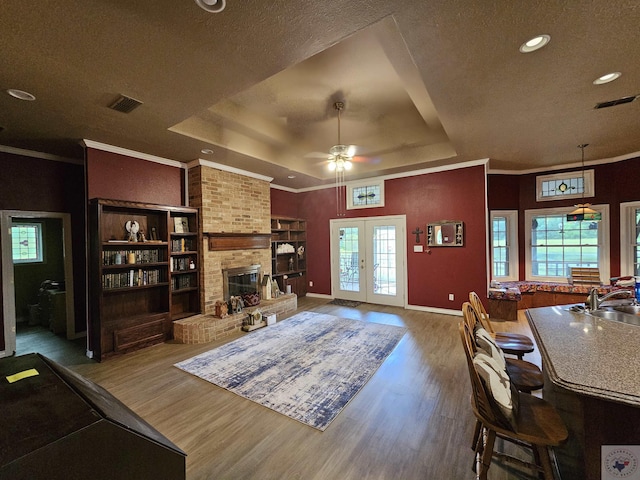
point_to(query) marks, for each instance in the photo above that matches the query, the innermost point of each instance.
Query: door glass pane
(384, 260)
(349, 256)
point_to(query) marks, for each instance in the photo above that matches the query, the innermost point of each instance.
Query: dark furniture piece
(58, 425)
(137, 289)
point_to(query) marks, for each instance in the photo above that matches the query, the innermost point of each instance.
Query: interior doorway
(368, 259)
(37, 288)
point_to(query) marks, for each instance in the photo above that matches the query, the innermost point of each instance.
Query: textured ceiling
(424, 83)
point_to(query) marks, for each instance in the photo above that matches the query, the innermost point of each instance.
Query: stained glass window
(565, 185)
(26, 242)
(366, 195)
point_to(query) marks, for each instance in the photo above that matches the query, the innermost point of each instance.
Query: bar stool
(526, 376)
(511, 343)
(534, 423)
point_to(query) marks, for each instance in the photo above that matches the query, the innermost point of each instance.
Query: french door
(368, 258)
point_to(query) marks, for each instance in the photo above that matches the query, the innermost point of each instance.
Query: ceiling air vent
(125, 104)
(613, 103)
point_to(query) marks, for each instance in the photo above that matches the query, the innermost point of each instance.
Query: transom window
(26, 242)
(564, 185)
(365, 195)
(556, 245)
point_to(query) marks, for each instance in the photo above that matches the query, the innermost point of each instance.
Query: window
(630, 238)
(365, 195)
(26, 242)
(555, 245)
(504, 245)
(564, 185)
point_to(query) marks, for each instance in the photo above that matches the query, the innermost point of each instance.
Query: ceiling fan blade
(324, 155)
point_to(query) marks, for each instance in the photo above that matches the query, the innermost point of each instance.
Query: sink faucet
(594, 302)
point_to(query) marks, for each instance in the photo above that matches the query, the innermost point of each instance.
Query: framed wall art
(445, 234)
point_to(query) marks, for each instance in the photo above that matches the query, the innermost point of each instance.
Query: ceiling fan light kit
(340, 160)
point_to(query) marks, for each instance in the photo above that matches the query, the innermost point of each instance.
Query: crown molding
(566, 166)
(227, 168)
(42, 155)
(130, 153)
(393, 176)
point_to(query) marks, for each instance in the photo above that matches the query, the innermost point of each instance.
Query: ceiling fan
(341, 156)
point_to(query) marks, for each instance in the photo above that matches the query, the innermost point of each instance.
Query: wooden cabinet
(144, 265)
(289, 254)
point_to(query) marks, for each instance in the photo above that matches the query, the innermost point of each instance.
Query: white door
(368, 258)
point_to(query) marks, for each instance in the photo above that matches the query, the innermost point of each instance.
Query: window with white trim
(630, 238)
(504, 245)
(26, 242)
(554, 245)
(365, 194)
(558, 186)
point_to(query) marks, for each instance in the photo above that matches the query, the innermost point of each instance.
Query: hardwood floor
(412, 420)
(36, 338)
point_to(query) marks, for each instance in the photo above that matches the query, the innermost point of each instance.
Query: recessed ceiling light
(21, 94)
(206, 151)
(609, 77)
(291, 176)
(535, 43)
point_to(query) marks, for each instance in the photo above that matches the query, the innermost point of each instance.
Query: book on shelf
(131, 278)
(181, 224)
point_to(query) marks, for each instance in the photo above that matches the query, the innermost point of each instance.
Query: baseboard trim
(444, 311)
(319, 295)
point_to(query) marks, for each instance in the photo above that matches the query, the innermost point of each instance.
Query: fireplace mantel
(238, 241)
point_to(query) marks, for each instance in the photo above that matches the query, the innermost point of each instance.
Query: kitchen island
(592, 376)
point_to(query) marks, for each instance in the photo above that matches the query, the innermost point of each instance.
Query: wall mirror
(445, 234)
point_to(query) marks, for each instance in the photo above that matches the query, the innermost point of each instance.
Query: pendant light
(583, 210)
(340, 160)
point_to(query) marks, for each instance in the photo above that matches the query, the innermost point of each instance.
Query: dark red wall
(615, 183)
(119, 177)
(34, 184)
(284, 204)
(451, 195)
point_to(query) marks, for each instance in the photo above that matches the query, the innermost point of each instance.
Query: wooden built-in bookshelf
(289, 267)
(137, 288)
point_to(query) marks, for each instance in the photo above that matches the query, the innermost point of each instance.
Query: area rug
(307, 367)
(344, 303)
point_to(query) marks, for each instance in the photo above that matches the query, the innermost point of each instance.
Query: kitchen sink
(623, 313)
(632, 309)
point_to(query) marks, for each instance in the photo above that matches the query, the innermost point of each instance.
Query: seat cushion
(486, 344)
(499, 389)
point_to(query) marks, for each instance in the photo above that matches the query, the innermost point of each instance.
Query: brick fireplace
(229, 203)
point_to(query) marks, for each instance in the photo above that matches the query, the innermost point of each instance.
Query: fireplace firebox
(240, 281)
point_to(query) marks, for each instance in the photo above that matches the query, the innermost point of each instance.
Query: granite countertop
(588, 355)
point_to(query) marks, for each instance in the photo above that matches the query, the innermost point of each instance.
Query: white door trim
(8, 286)
(402, 253)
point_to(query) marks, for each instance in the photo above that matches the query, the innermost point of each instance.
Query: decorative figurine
(132, 227)
(221, 309)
